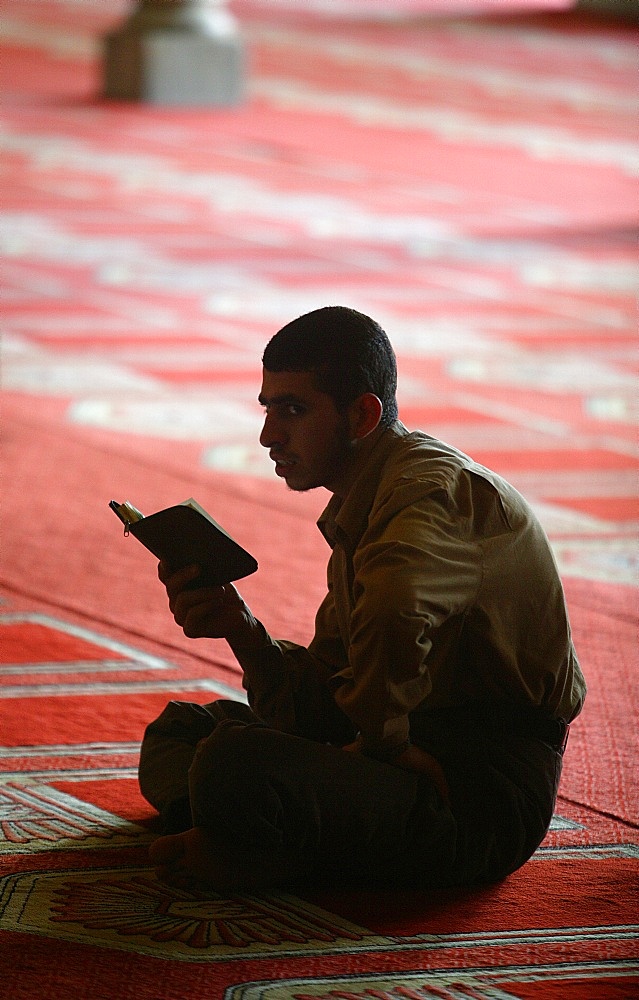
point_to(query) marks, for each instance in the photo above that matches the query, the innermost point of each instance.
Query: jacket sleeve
(414, 575)
(289, 685)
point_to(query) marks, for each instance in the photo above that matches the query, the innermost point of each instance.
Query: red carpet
(470, 182)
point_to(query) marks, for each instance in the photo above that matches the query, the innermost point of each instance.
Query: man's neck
(361, 452)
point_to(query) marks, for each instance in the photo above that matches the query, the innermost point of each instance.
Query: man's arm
(285, 682)
(415, 574)
(211, 612)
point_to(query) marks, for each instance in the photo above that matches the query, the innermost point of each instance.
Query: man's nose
(272, 432)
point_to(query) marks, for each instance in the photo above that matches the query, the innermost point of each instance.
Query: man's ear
(366, 413)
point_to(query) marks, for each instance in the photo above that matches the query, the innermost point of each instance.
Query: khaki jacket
(442, 591)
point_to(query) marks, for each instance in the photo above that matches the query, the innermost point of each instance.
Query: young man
(418, 740)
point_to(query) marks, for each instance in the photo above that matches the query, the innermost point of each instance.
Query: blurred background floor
(463, 173)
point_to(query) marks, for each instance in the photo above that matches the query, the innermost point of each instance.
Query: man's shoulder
(420, 466)
(418, 456)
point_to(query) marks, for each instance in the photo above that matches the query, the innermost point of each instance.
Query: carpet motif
(128, 909)
(69, 762)
(37, 817)
(435, 985)
(64, 648)
(76, 660)
(132, 910)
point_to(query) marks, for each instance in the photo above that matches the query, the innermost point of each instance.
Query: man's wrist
(250, 638)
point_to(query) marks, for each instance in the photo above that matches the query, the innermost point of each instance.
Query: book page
(196, 506)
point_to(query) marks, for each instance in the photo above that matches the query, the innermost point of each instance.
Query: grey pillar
(626, 10)
(176, 52)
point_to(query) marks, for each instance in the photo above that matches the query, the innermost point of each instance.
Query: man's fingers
(205, 602)
(178, 580)
(212, 612)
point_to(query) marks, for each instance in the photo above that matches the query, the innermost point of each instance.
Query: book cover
(184, 535)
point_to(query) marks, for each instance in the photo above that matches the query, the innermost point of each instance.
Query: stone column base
(184, 52)
(627, 10)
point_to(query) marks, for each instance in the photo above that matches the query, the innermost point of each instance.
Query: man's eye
(283, 409)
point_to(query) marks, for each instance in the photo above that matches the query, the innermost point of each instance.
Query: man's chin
(299, 487)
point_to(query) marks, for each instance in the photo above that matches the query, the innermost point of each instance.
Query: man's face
(307, 438)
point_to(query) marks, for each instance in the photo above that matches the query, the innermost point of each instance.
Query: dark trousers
(343, 816)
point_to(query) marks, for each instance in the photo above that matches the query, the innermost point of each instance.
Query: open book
(184, 535)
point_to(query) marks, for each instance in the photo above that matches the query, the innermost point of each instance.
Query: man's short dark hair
(348, 352)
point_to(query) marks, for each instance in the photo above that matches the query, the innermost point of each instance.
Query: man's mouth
(282, 465)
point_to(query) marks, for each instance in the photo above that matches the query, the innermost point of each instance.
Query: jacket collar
(345, 521)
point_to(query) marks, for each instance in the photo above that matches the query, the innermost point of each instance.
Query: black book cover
(184, 535)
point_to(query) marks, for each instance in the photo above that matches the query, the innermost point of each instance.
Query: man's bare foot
(191, 858)
(195, 859)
